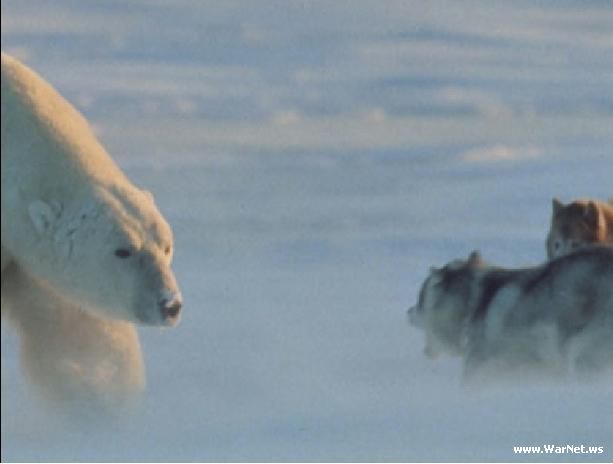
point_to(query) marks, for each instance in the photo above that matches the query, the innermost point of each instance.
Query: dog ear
(591, 214)
(557, 206)
(475, 259)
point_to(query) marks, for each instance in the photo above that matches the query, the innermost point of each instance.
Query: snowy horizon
(314, 160)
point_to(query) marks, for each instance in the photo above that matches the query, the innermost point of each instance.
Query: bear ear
(148, 194)
(43, 216)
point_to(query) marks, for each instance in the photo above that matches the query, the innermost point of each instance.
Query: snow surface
(314, 159)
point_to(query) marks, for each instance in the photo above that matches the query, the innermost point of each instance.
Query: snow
(315, 159)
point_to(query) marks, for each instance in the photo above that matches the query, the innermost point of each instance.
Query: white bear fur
(77, 360)
(67, 209)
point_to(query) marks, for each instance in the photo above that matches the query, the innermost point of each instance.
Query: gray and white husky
(555, 318)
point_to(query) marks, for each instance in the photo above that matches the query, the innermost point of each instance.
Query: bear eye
(167, 250)
(123, 253)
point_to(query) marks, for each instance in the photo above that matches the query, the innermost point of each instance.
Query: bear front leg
(77, 360)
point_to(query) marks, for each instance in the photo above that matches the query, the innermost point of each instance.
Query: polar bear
(85, 253)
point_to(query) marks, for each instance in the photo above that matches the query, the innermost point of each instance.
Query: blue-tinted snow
(314, 159)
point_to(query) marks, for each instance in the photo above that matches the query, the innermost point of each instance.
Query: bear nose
(170, 307)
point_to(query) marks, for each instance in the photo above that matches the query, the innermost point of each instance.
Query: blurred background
(315, 158)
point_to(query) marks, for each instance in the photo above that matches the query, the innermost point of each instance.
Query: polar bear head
(112, 251)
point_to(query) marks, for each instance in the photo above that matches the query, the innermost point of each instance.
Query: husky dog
(577, 224)
(556, 318)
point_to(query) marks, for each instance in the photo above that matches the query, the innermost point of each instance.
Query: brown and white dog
(577, 224)
(556, 318)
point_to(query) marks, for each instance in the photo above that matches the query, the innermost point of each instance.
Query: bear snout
(170, 308)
